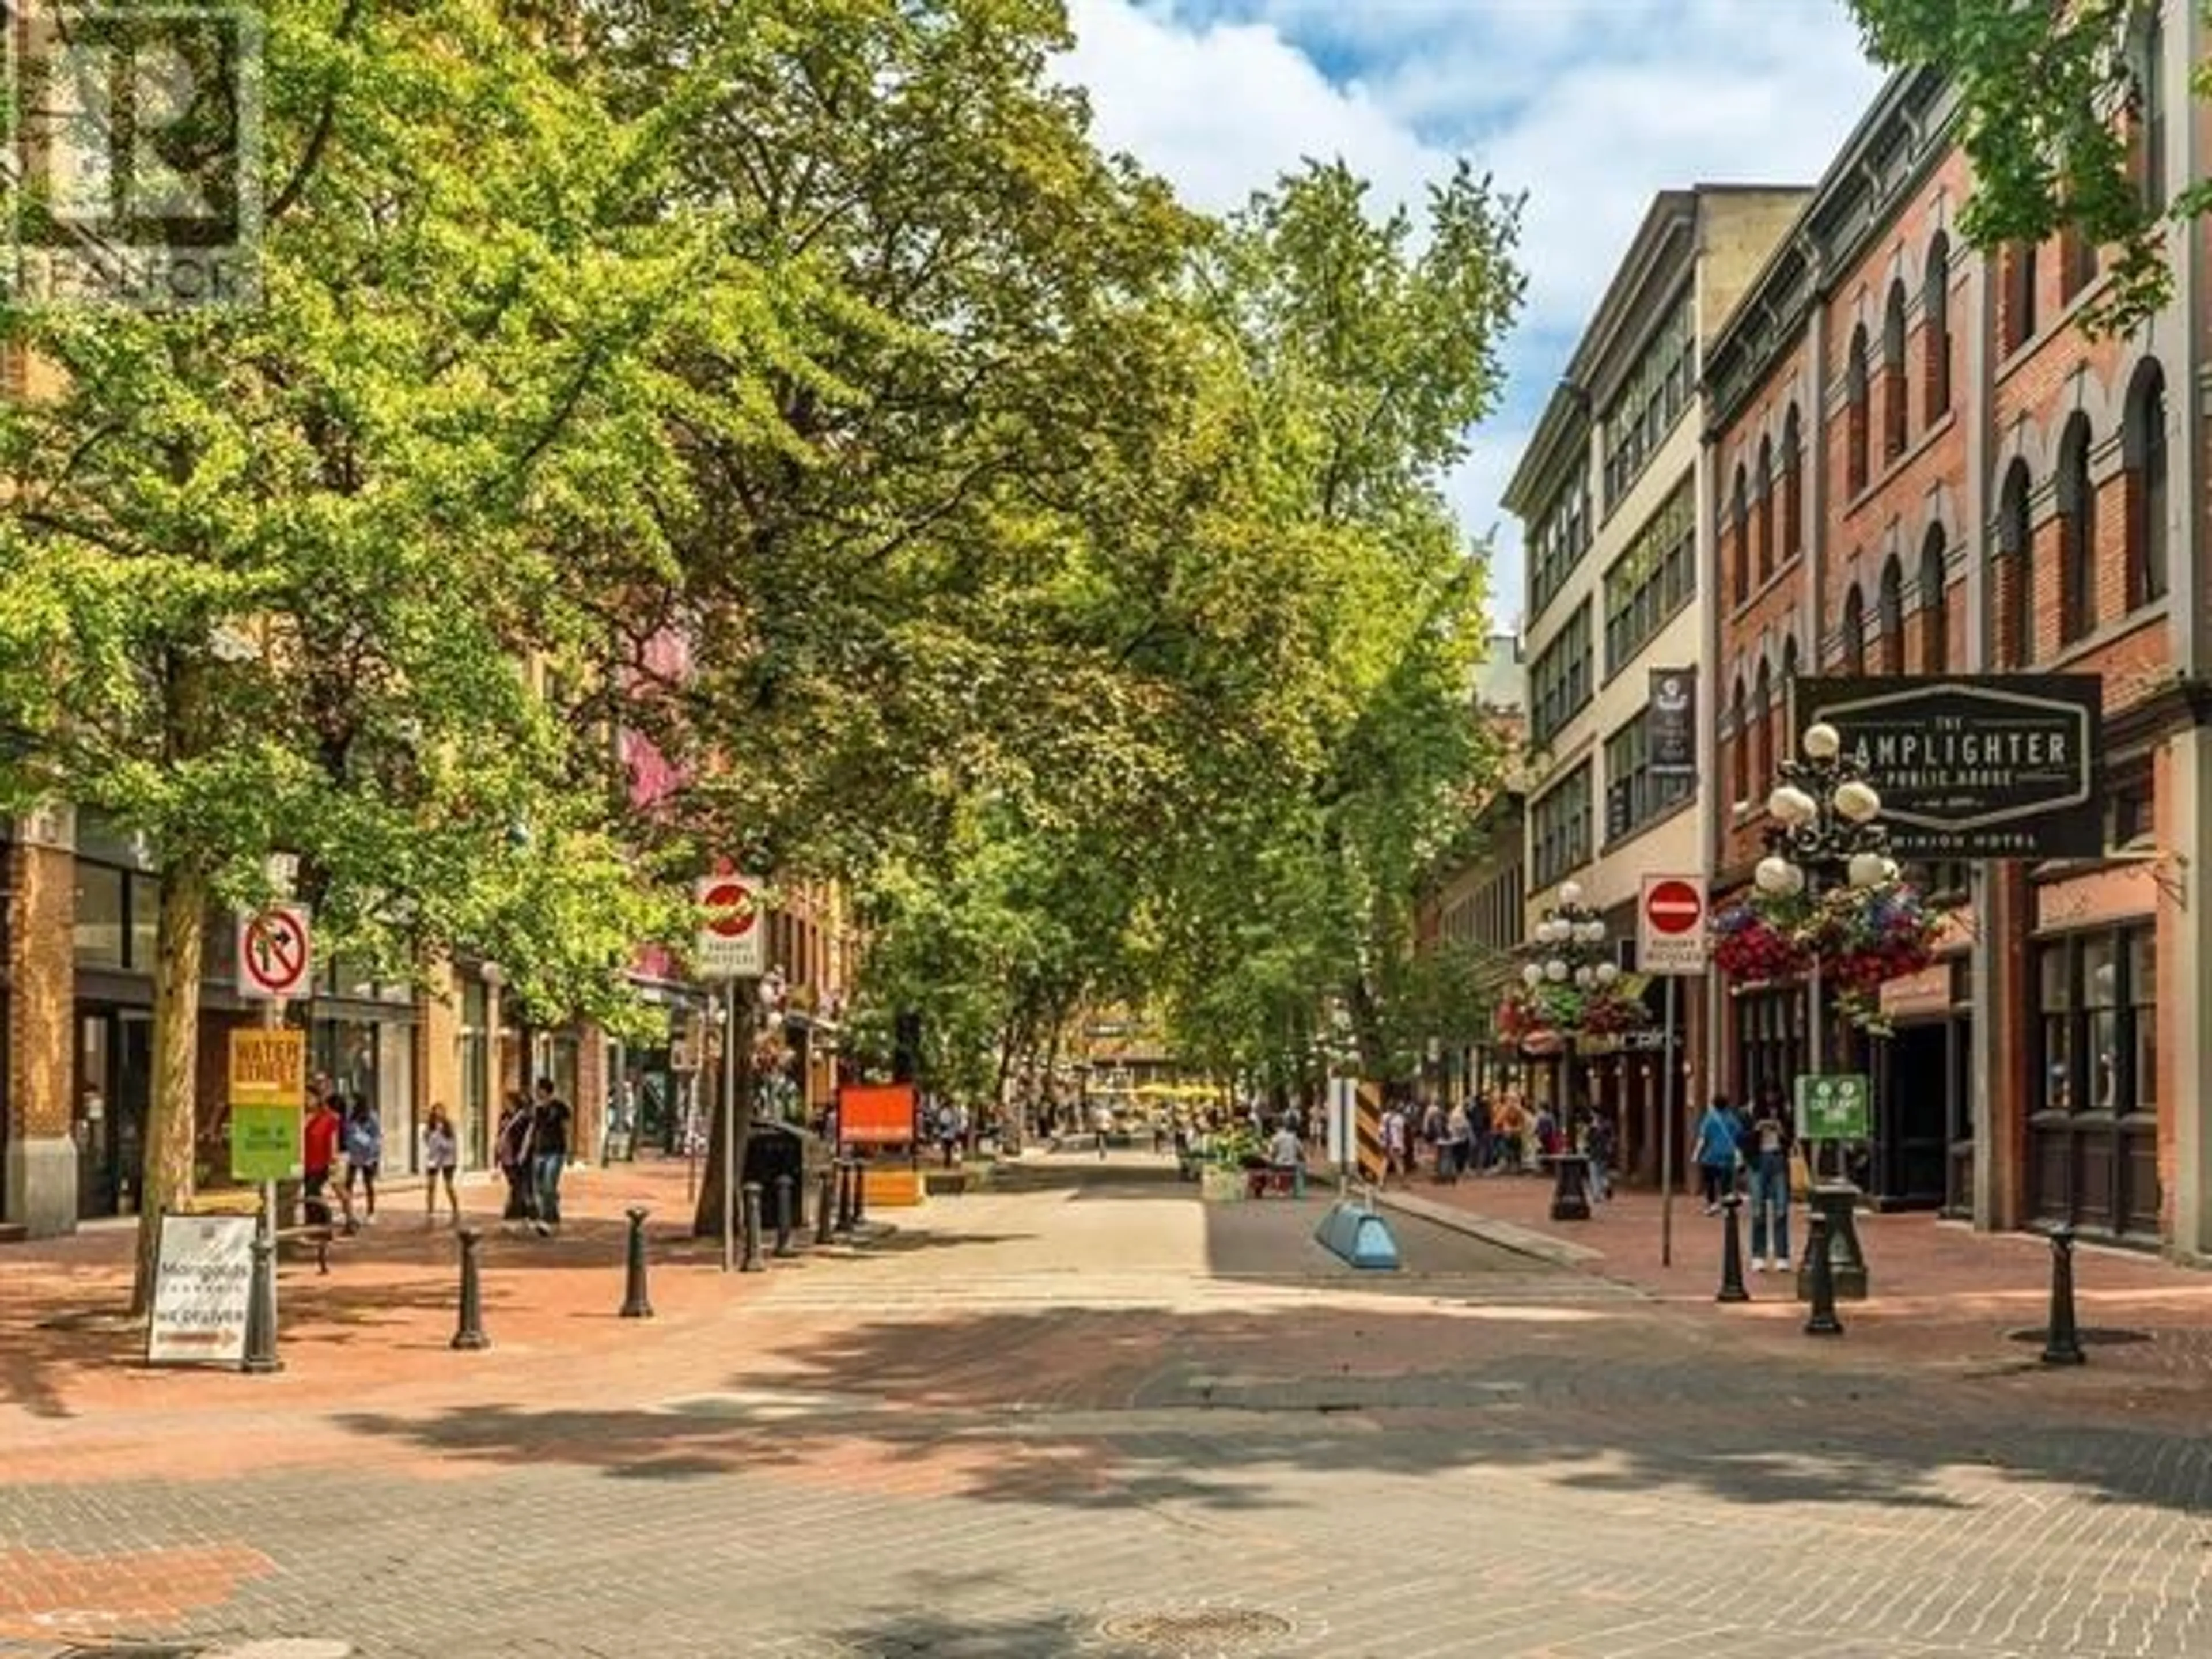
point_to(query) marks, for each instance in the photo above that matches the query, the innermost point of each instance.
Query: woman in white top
(441, 1152)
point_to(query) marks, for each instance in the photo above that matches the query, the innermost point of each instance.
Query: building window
(1854, 628)
(1634, 795)
(2056, 1010)
(1562, 537)
(1889, 617)
(2077, 534)
(2011, 564)
(2140, 970)
(1651, 582)
(1740, 747)
(1892, 374)
(2017, 327)
(1935, 332)
(2129, 801)
(1762, 727)
(1658, 390)
(101, 913)
(2146, 131)
(1856, 470)
(2144, 442)
(1793, 486)
(1934, 610)
(1739, 540)
(2077, 263)
(2098, 1022)
(1560, 679)
(1561, 825)
(1765, 510)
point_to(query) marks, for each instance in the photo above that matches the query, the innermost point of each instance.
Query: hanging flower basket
(1752, 946)
(1861, 936)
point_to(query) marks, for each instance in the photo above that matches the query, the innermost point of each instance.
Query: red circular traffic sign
(1674, 907)
(732, 903)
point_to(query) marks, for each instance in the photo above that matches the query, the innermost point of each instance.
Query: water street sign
(1670, 926)
(1974, 766)
(268, 1089)
(1836, 1107)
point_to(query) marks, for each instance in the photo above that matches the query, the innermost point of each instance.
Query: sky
(1590, 106)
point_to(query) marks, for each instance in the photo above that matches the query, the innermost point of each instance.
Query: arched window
(1854, 415)
(2018, 326)
(2142, 444)
(1793, 486)
(1854, 629)
(1740, 535)
(2077, 533)
(2146, 130)
(1892, 374)
(2012, 564)
(1765, 510)
(1934, 607)
(1789, 665)
(1740, 750)
(1935, 332)
(1889, 617)
(1762, 727)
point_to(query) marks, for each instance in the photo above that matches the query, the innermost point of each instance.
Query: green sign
(264, 1143)
(1834, 1108)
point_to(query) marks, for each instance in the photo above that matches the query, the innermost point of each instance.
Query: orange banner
(878, 1113)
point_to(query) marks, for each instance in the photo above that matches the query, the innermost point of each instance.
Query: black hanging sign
(1670, 723)
(1972, 766)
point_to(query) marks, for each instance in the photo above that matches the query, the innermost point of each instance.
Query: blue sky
(1589, 105)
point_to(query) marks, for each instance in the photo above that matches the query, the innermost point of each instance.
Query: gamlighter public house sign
(1974, 766)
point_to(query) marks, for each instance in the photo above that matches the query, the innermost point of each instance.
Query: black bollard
(635, 1303)
(784, 1220)
(1732, 1288)
(859, 1192)
(472, 1331)
(261, 1311)
(844, 1171)
(2062, 1342)
(825, 1215)
(1822, 1321)
(752, 1263)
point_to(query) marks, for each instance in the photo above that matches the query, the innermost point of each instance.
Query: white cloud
(1589, 105)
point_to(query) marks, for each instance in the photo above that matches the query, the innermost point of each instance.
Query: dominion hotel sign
(1974, 766)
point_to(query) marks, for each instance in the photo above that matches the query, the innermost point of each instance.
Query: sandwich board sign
(202, 1286)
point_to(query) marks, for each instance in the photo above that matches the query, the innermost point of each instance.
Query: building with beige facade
(1608, 495)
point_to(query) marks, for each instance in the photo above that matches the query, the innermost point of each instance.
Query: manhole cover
(1196, 1631)
(2092, 1336)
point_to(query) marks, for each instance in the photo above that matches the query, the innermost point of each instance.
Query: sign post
(732, 946)
(1670, 941)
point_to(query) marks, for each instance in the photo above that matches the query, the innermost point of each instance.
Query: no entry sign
(275, 957)
(731, 943)
(1670, 926)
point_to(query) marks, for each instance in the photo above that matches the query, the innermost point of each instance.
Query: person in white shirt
(1286, 1150)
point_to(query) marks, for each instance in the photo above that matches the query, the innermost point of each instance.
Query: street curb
(1521, 1241)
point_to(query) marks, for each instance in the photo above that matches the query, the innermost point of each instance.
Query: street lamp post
(1570, 948)
(1825, 832)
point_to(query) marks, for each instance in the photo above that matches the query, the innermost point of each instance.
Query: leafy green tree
(2050, 99)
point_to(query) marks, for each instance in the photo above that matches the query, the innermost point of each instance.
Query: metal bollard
(2062, 1342)
(635, 1304)
(472, 1331)
(844, 1166)
(1732, 1288)
(752, 1263)
(784, 1219)
(860, 1191)
(825, 1215)
(261, 1311)
(1822, 1321)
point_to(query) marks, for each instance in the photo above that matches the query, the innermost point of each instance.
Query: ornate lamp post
(1570, 947)
(1825, 832)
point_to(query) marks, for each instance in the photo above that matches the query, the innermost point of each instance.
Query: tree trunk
(706, 1219)
(172, 1116)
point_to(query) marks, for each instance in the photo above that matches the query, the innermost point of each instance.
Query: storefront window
(2055, 1008)
(2143, 999)
(472, 1056)
(145, 922)
(98, 916)
(2100, 997)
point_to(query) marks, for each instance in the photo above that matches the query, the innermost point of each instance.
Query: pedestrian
(549, 1139)
(1599, 1145)
(1103, 1121)
(1459, 1132)
(513, 1153)
(1715, 1152)
(1767, 1150)
(325, 1128)
(441, 1153)
(364, 1153)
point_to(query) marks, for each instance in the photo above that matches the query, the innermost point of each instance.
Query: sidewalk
(1941, 1294)
(383, 1318)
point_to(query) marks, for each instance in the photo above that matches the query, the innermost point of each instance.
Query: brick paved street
(1085, 1414)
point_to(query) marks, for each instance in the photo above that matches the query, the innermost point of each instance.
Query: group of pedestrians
(339, 1133)
(1758, 1142)
(531, 1151)
(1479, 1137)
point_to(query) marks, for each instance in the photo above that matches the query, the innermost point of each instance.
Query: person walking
(364, 1153)
(548, 1137)
(442, 1153)
(1396, 1159)
(1715, 1151)
(512, 1153)
(1459, 1133)
(1767, 1150)
(1599, 1145)
(319, 1144)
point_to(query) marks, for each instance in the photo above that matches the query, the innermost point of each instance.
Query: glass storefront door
(115, 1074)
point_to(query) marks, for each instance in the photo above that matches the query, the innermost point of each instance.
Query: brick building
(1919, 462)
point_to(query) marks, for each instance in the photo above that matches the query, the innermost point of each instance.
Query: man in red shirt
(320, 1150)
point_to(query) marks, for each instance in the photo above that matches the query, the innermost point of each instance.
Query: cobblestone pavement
(1094, 1417)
